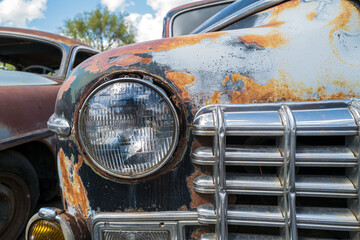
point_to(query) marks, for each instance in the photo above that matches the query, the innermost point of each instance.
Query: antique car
(248, 128)
(33, 67)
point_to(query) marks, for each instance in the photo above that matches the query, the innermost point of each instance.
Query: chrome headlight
(128, 127)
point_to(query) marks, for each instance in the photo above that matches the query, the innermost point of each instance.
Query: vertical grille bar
(220, 174)
(288, 172)
(354, 173)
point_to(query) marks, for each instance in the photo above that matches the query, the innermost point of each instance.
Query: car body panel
(296, 51)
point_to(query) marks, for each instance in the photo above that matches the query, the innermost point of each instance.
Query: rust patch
(198, 232)
(343, 20)
(311, 16)
(181, 80)
(73, 190)
(283, 7)
(253, 91)
(66, 85)
(271, 40)
(284, 89)
(196, 198)
(215, 98)
(183, 208)
(226, 79)
(127, 55)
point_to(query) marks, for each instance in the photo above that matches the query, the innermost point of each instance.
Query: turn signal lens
(45, 229)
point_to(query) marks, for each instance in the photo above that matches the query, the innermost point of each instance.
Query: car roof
(50, 36)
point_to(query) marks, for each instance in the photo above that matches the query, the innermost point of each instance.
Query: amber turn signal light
(45, 229)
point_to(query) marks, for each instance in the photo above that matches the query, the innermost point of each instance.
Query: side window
(186, 22)
(80, 56)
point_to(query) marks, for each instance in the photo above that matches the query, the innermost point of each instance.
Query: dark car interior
(25, 54)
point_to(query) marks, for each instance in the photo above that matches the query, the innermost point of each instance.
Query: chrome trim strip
(176, 221)
(150, 85)
(244, 12)
(59, 125)
(221, 194)
(24, 138)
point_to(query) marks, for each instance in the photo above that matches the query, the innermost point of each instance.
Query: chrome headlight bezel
(147, 83)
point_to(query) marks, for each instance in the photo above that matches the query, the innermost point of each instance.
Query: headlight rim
(148, 83)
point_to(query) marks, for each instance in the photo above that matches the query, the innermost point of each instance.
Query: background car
(33, 65)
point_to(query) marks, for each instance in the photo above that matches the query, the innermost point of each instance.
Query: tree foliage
(100, 28)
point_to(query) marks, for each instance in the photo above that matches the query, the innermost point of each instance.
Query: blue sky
(49, 15)
(58, 11)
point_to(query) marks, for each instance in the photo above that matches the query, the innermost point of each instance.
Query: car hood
(16, 78)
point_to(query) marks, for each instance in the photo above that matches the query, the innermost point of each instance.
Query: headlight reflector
(128, 127)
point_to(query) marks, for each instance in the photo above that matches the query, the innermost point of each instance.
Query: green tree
(100, 28)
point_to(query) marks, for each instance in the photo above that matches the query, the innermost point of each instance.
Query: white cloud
(112, 5)
(18, 13)
(150, 26)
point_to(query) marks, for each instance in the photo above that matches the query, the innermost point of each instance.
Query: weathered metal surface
(25, 110)
(50, 36)
(298, 51)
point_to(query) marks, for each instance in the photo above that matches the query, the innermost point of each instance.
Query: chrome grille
(329, 198)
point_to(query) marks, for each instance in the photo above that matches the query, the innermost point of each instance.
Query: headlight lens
(128, 127)
(45, 229)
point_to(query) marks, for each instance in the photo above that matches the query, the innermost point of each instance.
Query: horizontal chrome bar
(241, 184)
(244, 155)
(263, 119)
(268, 184)
(233, 236)
(335, 156)
(307, 217)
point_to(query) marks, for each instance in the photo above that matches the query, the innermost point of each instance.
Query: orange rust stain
(253, 91)
(348, 18)
(183, 208)
(343, 20)
(311, 16)
(284, 89)
(226, 79)
(127, 55)
(215, 98)
(181, 80)
(66, 85)
(272, 40)
(196, 198)
(283, 7)
(73, 191)
(146, 60)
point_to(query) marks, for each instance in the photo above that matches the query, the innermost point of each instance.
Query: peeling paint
(73, 191)
(127, 55)
(66, 85)
(181, 80)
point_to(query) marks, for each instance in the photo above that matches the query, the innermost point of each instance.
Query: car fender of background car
(39, 63)
(246, 129)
